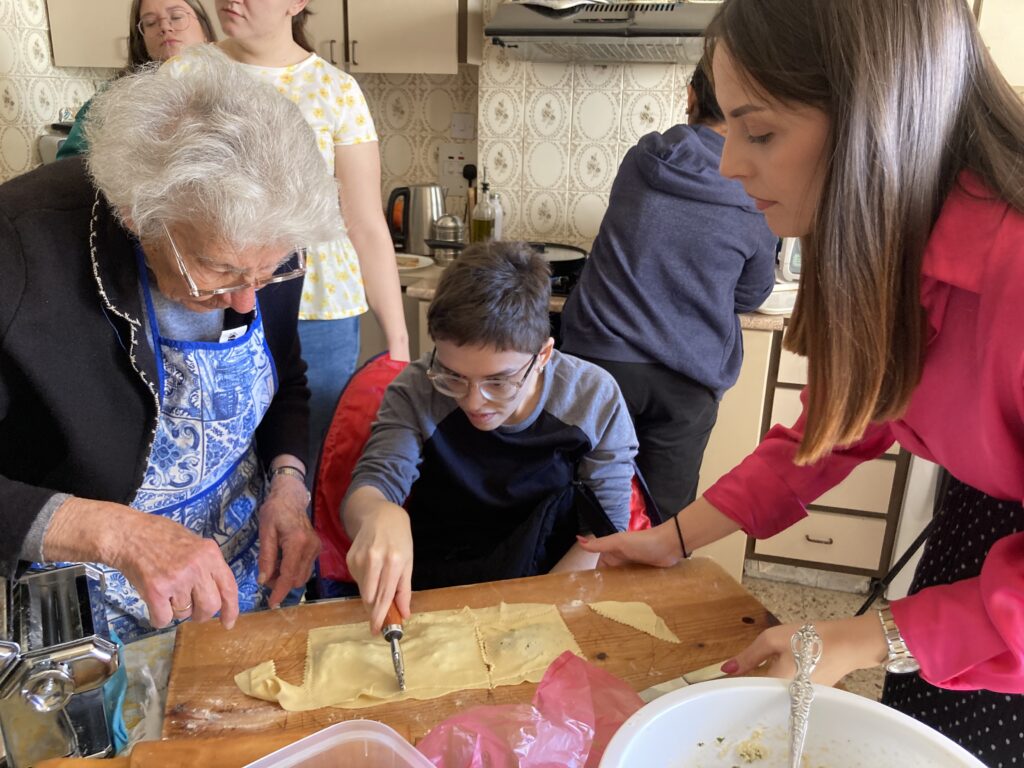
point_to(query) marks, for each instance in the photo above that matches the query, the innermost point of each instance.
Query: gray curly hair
(202, 142)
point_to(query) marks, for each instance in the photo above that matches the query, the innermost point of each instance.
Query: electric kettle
(411, 212)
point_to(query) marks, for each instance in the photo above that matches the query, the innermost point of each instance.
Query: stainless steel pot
(449, 235)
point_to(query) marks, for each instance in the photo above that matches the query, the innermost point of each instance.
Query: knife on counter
(392, 631)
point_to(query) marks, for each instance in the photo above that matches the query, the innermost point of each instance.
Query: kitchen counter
(425, 287)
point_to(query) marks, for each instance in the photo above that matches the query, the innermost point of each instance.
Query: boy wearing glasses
(490, 455)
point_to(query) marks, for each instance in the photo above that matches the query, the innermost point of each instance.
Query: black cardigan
(78, 401)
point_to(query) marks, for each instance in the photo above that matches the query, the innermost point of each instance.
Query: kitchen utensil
(392, 632)
(807, 646)
(55, 655)
(447, 229)
(421, 206)
(709, 724)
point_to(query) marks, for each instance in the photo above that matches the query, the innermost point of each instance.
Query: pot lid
(559, 251)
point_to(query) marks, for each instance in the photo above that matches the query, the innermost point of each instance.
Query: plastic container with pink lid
(353, 744)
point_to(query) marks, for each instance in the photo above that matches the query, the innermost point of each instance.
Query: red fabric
(343, 445)
(638, 519)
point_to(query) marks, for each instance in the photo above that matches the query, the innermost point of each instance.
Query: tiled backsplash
(32, 90)
(552, 136)
(413, 115)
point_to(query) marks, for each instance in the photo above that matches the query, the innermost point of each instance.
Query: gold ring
(183, 608)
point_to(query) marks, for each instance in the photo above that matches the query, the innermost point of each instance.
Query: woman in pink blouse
(881, 134)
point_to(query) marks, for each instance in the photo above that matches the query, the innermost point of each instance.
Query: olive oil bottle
(481, 226)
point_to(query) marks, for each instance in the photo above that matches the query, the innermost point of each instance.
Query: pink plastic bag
(575, 712)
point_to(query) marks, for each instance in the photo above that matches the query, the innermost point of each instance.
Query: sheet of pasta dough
(636, 615)
(444, 651)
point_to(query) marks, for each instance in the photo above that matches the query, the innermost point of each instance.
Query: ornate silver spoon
(806, 645)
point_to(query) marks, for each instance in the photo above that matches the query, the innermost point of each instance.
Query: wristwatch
(900, 660)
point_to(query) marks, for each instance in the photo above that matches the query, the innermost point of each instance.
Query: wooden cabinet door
(325, 29)
(403, 36)
(89, 34)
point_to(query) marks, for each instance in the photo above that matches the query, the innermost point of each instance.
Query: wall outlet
(451, 157)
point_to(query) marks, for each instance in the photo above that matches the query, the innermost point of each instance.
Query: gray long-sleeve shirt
(461, 478)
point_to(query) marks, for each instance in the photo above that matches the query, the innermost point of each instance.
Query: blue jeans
(330, 349)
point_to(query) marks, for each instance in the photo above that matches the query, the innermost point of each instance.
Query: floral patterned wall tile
(32, 90)
(555, 134)
(413, 116)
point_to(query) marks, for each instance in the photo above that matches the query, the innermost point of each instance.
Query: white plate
(683, 728)
(408, 258)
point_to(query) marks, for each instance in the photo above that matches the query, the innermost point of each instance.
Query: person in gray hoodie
(681, 252)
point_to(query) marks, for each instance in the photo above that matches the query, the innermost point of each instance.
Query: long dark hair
(137, 54)
(913, 98)
(299, 29)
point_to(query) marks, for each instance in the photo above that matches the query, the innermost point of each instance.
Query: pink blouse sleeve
(767, 492)
(985, 613)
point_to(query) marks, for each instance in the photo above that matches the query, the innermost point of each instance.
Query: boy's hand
(380, 560)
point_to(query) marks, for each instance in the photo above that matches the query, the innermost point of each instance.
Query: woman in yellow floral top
(359, 268)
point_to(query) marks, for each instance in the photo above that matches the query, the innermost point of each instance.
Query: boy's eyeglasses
(150, 24)
(299, 254)
(498, 390)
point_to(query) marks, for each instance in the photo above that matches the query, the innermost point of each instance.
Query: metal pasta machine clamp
(55, 655)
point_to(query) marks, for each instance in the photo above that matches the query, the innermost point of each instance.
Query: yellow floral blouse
(336, 110)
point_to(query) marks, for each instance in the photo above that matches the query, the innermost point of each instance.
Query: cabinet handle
(330, 55)
(354, 62)
(817, 541)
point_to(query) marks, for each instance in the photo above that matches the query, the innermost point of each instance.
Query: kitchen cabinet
(95, 34)
(325, 28)
(89, 34)
(1000, 23)
(850, 528)
(425, 37)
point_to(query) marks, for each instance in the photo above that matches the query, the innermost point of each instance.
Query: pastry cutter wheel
(392, 632)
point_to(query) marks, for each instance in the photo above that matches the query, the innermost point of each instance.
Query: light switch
(463, 125)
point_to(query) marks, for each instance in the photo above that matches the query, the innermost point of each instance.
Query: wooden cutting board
(709, 611)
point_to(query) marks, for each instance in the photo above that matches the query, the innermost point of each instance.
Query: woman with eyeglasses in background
(158, 30)
(356, 269)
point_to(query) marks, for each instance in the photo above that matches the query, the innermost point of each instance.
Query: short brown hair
(494, 294)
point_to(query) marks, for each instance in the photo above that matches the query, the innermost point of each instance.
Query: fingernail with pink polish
(731, 666)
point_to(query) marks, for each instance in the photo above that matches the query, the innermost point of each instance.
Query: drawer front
(786, 408)
(824, 537)
(792, 368)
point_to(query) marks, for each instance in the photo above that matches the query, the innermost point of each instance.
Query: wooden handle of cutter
(393, 617)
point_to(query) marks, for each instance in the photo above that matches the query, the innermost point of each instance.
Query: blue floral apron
(203, 470)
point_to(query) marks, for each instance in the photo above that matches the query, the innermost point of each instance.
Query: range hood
(606, 32)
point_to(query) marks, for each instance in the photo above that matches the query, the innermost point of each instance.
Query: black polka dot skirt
(987, 724)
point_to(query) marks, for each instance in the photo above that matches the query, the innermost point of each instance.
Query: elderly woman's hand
(846, 645)
(177, 573)
(288, 544)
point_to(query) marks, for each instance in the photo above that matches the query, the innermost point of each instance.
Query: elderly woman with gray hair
(153, 400)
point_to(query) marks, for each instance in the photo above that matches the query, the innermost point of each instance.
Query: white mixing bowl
(707, 726)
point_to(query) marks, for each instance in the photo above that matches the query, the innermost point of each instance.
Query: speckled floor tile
(795, 603)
